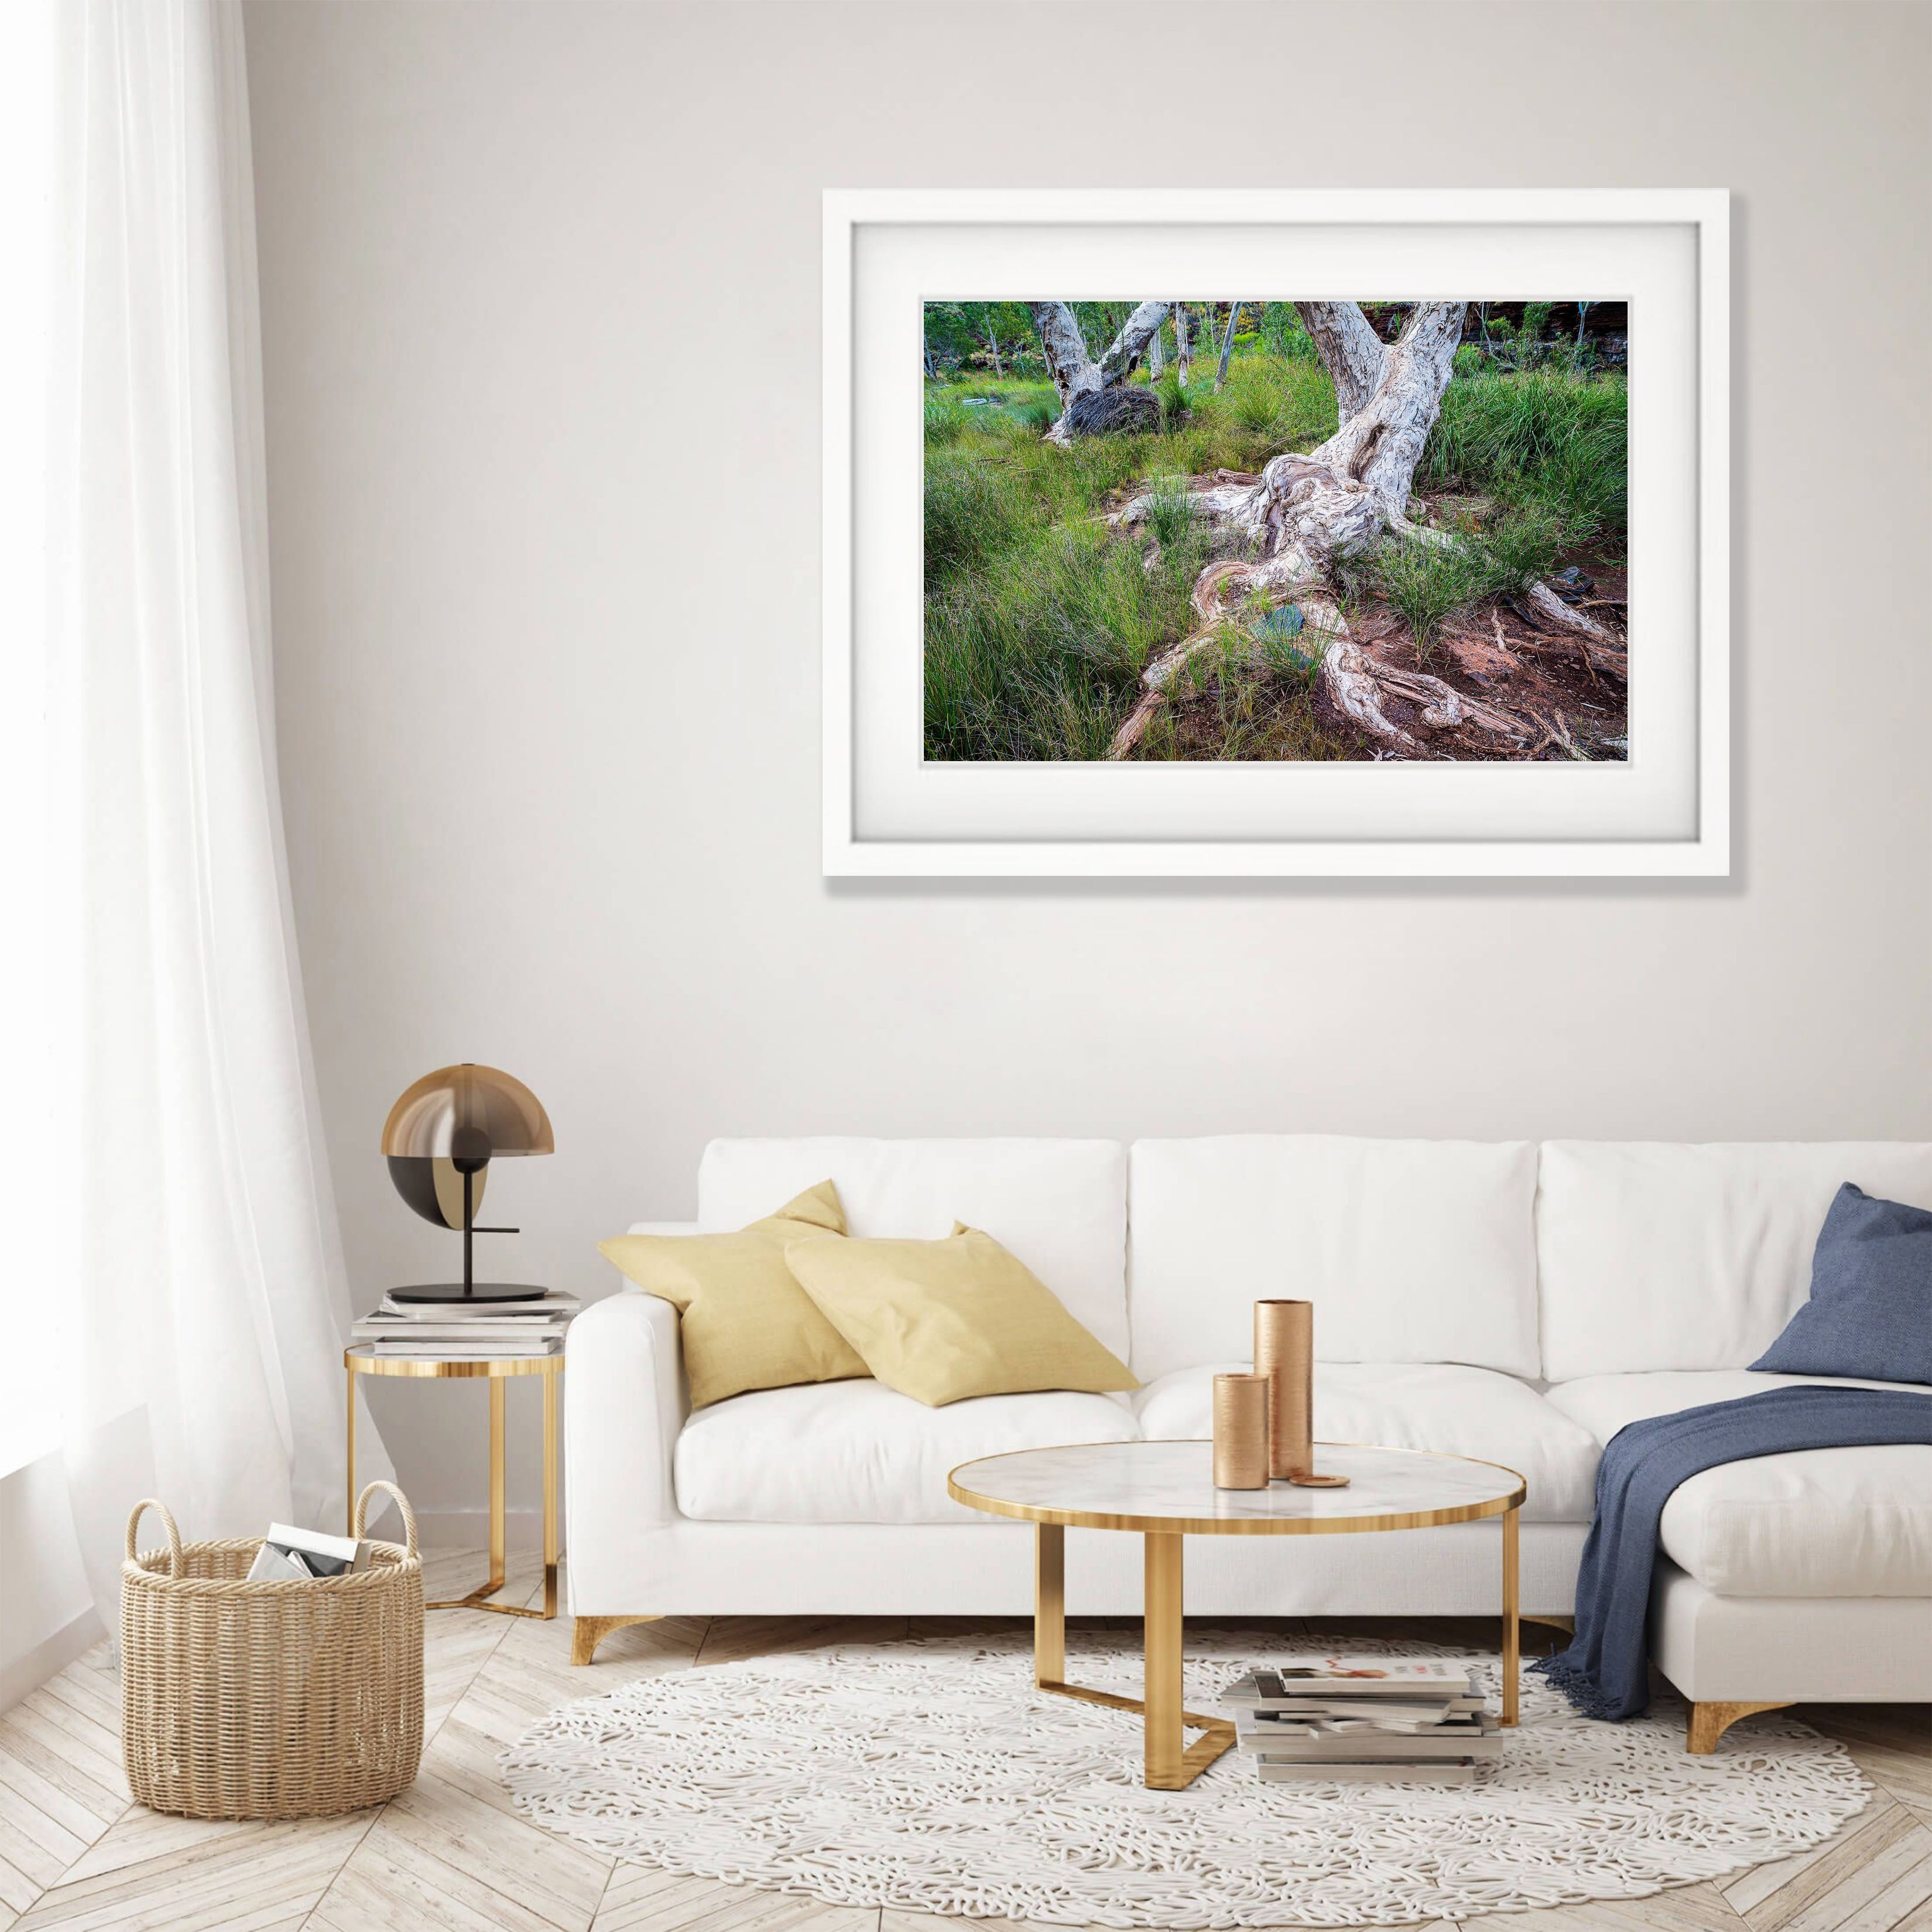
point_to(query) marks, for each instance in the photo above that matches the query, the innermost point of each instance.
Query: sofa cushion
(1411, 1251)
(1655, 1256)
(743, 1320)
(1812, 1522)
(944, 1322)
(1060, 1205)
(1403, 1406)
(860, 1452)
(1870, 1308)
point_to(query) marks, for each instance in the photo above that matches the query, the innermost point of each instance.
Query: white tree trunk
(992, 337)
(1379, 442)
(1094, 395)
(1157, 349)
(1183, 347)
(1227, 346)
(1307, 511)
(1067, 362)
(1351, 351)
(1126, 348)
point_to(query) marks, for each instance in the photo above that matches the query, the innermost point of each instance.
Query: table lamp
(439, 1140)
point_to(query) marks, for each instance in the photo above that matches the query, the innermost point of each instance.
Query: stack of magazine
(1406, 1720)
(469, 1331)
(305, 1556)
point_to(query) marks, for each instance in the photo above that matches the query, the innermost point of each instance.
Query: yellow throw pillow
(744, 1321)
(940, 1321)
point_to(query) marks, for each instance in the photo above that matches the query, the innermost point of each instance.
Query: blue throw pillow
(1870, 1310)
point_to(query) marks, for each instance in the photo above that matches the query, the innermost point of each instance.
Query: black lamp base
(454, 1293)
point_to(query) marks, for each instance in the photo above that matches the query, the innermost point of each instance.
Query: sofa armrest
(624, 1406)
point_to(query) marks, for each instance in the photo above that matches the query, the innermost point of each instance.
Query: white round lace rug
(931, 1776)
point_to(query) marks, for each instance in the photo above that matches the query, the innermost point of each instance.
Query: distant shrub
(1281, 329)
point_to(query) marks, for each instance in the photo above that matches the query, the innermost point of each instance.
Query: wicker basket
(269, 1700)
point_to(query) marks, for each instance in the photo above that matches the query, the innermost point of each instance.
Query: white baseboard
(469, 1528)
(25, 1674)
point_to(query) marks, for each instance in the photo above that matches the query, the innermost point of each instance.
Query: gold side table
(363, 1361)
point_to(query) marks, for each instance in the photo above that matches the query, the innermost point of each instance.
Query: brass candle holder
(1241, 1432)
(1285, 1355)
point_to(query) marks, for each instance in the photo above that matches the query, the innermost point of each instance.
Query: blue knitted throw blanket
(1603, 1672)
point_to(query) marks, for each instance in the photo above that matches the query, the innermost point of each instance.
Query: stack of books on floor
(468, 1331)
(1414, 1721)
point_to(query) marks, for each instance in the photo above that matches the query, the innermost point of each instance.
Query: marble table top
(1169, 1487)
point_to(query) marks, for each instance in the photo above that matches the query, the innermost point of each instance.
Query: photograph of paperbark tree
(1276, 531)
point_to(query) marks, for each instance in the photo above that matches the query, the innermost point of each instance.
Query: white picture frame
(888, 813)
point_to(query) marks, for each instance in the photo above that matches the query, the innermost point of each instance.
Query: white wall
(546, 602)
(47, 1614)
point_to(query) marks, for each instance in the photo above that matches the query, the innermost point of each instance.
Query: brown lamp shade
(466, 1114)
(439, 1141)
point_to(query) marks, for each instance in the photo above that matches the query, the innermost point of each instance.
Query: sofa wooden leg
(590, 1632)
(1709, 1722)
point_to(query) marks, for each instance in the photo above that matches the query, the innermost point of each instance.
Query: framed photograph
(1394, 541)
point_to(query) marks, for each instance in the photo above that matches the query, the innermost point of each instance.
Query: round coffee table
(1165, 1490)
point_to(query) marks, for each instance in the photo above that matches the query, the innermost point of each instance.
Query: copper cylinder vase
(1284, 1354)
(1241, 1432)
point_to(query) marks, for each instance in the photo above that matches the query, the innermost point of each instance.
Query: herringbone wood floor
(451, 1852)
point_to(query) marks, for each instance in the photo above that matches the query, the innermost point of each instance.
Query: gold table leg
(349, 1501)
(1512, 1629)
(499, 1506)
(499, 1484)
(549, 1496)
(1049, 1606)
(1160, 1648)
(1169, 1767)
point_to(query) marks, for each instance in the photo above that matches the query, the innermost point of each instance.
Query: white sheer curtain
(28, 1415)
(202, 1267)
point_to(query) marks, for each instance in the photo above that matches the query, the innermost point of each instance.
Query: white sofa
(1506, 1301)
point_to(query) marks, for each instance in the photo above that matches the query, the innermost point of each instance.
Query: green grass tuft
(945, 416)
(972, 515)
(1423, 583)
(1523, 547)
(1544, 438)
(1170, 511)
(1039, 655)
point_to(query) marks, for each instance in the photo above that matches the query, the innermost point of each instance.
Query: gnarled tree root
(1356, 685)
(1305, 513)
(1578, 634)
